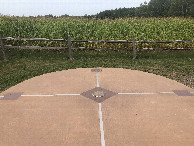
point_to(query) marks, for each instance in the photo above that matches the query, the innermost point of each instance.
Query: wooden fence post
(69, 47)
(2, 49)
(134, 49)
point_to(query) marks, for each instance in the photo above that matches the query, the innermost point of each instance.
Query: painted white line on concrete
(51, 95)
(101, 125)
(37, 95)
(147, 93)
(65, 94)
(1, 96)
(97, 79)
(136, 93)
(166, 92)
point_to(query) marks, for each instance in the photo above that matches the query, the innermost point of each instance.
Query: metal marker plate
(182, 93)
(96, 70)
(106, 94)
(12, 96)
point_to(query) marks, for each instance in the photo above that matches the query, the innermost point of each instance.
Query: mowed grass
(25, 64)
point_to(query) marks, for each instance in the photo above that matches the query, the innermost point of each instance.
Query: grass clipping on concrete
(25, 64)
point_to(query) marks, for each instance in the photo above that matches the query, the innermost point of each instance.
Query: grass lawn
(24, 64)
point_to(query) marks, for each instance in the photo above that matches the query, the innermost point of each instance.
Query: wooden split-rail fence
(69, 41)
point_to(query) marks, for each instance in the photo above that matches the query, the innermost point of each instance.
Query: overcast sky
(61, 7)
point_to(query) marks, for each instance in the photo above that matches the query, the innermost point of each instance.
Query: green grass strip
(25, 64)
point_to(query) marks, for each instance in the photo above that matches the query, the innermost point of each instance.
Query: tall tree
(191, 10)
(159, 8)
(181, 8)
(142, 11)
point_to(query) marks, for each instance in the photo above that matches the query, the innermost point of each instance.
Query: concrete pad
(52, 120)
(125, 80)
(149, 120)
(49, 121)
(76, 80)
(45, 115)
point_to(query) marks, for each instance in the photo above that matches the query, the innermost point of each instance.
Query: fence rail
(83, 48)
(94, 41)
(69, 41)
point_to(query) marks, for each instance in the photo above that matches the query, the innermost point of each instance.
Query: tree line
(155, 8)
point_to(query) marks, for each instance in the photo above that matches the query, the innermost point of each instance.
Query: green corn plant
(149, 29)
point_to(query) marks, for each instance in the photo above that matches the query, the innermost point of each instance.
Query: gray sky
(60, 7)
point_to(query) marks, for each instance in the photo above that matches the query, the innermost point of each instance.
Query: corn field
(147, 29)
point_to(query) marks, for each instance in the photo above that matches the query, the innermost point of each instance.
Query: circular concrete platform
(93, 107)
